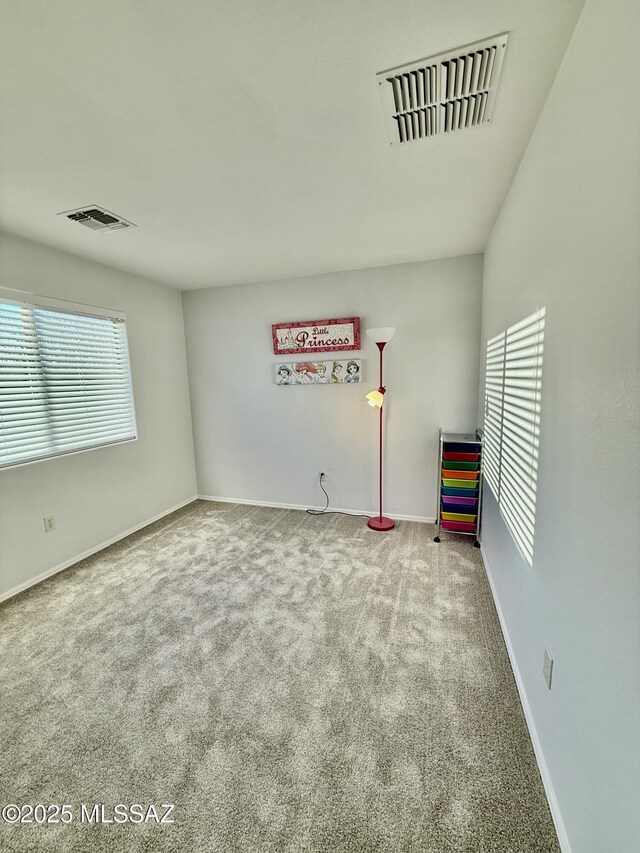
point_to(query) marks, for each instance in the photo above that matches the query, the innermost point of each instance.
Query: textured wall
(99, 494)
(257, 441)
(567, 238)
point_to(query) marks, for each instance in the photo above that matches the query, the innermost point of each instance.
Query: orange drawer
(460, 475)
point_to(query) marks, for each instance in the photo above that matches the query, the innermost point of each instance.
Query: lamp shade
(375, 398)
(382, 335)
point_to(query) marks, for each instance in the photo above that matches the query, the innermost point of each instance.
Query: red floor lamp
(381, 337)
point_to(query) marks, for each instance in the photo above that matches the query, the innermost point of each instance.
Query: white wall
(258, 441)
(568, 238)
(99, 494)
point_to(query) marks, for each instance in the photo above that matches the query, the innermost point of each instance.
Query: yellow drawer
(458, 516)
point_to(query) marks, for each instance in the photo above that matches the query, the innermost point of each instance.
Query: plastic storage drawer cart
(459, 484)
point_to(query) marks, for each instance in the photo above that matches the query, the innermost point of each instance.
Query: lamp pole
(380, 522)
(381, 346)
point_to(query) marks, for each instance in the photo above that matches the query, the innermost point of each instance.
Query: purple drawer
(453, 502)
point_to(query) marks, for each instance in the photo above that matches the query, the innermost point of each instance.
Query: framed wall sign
(316, 336)
(319, 372)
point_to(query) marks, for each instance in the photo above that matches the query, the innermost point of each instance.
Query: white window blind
(513, 390)
(65, 382)
(494, 387)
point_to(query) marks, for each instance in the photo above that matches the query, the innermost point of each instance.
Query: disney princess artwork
(283, 375)
(353, 372)
(318, 372)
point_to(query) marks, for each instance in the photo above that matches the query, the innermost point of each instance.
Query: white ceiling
(246, 139)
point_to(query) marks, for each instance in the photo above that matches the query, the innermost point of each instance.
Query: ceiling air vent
(97, 218)
(451, 91)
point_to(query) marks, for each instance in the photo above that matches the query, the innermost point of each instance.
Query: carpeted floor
(290, 683)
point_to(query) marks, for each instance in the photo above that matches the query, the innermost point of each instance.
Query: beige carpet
(290, 683)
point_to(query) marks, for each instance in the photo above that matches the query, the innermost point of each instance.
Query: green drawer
(461, 466)
(460, 484)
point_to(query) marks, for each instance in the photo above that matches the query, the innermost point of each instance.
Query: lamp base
(381, 523)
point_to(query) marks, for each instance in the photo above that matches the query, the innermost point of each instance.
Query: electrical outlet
(323, 476)
(547, 667)
(49, 523)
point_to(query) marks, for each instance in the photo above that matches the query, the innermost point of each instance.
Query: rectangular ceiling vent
(97, 218)
(451, 91)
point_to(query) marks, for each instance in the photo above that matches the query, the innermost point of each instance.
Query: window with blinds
(65, 382)
(513, 389)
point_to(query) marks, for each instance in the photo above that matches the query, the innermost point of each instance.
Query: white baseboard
(54, 571)
(554, 806)
(419, 518)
